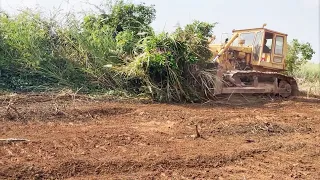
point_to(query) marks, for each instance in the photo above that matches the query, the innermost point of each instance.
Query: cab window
(267, 43)
(248, 37)
(279, 45)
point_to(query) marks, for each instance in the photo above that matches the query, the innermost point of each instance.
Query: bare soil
(81, 138)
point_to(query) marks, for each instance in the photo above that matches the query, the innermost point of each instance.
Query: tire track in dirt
(73, 168)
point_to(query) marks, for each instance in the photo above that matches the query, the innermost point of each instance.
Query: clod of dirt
(250, 141)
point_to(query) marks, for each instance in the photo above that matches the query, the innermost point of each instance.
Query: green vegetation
(37, 54)
(298, 55)
(309, 72)
(113, 51)
(306, 73)
(308, 76)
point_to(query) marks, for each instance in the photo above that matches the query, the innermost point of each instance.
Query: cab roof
(259, 29)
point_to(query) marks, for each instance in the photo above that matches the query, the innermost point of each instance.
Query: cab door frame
(273, 54)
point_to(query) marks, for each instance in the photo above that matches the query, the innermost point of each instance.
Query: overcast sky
(298, 18)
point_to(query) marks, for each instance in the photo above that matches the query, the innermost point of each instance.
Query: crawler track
(265, 75)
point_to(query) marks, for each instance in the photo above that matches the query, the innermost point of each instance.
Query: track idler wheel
(285, 85)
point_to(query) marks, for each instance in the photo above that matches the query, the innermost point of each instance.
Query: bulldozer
(253, 61)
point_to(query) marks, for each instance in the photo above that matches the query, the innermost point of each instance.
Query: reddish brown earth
(94, 139)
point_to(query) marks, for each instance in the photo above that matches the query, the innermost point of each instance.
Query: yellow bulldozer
(253, 61)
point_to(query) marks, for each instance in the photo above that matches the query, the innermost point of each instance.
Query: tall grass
(309, 78)
(310, 72)
(39, 54)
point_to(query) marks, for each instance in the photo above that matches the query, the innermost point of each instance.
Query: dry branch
(197, 132)
(11, 140)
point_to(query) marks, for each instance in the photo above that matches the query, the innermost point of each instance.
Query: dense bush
(114, 50)
(167, 60)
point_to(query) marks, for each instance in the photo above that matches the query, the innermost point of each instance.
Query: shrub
(167, 63)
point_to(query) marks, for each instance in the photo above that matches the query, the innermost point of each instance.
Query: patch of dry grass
(309, 88)
(309, 79)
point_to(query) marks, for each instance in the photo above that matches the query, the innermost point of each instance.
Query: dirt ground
(82, 138)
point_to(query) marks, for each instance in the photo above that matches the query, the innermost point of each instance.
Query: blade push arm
(234, 37)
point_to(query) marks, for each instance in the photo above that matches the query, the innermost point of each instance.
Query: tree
(124, 17)
(196, 36)
(128, 23)
(298, 54)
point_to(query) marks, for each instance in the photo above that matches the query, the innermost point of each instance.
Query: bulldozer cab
(268, 47)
